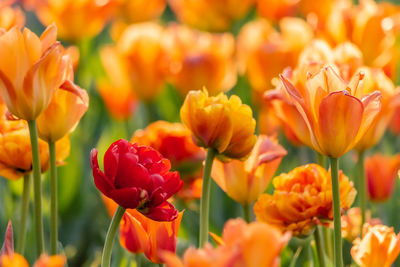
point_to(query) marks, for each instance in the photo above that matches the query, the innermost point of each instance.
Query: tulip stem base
(319, 243)
(53, 199)
(112, 230)
(205, 197)
(247, 212)
(362, 190)
(336, 213)
(24, 214)
(37, 187)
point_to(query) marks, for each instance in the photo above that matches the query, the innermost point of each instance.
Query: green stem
(362, 190)
(53, 199)
(112, 230)
(328, 241)
(321, 160)
(247, 212)
(37, 187)
(319, 243)
(205, 198)
(24, 214)
(336, 213)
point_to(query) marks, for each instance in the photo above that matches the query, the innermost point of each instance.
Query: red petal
(165, 212)
(101, 181)
(8, 245)
(128, 198)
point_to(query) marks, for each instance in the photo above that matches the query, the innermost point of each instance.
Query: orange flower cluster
(302, 199)
(174, 142)
(16, 260)
(139, 234)
(210, 15)
(378, 247)
(245, 181)
(241, 245)
(217, 122)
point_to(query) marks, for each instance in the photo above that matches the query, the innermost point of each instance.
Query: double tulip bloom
(241, 245)
(139, 234)
(137, 177)
(302, 199)
(217, 122)
(245, 181)
(378, 247)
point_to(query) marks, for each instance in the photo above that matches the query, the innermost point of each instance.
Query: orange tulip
(381, 173)
(15, 148)
(66, 108)
(333, 111)
(116, 91)
(351, 223)
(395, 121)
(302, 199)
(140, 234)
(76, 20)
(197, 59)
(241, 245)
(245, 181)
(37, 69)
(174, 142)
(379, 246)
(13, 260)
(141, 10)
(217, 122)
(263, 52)
(210, 15)
(140, 49)
(376, 80)
(10, 16)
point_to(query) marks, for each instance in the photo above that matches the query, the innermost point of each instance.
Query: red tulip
(137, 177)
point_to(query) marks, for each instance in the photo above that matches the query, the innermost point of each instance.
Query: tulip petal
(133, 236)
(127, 197)
(340, 116)
(48, 37)
(8, 245)
(164, 212)
(100, 180)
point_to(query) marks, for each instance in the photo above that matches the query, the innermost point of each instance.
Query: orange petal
(340, 116)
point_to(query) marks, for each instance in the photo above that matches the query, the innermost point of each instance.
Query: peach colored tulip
(217, 122)
(378, 247)
(333, 111)
(381, 174)
(302, 199)
(351, 223)
(197, 59)
(276, 9)
(16, 260)
(241, 245)
(63, 113)
(245, 181)
(210, 15)
(29, 78)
